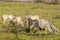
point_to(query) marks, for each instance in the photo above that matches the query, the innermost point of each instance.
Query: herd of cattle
(31, 21)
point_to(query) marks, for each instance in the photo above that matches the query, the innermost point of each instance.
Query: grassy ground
(45, 11)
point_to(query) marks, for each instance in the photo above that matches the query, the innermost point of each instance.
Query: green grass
(45, 11)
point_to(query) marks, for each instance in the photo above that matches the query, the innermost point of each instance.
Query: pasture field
(45, 11)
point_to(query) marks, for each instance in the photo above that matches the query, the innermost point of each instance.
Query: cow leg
(31, 27)
(39, 32)
(4, 22)
(45, 31)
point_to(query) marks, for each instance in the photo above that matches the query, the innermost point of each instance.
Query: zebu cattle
(46, 25)
(29, 20)
(19, 21)
(5, 17)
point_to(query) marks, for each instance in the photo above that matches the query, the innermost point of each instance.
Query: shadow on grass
(38, 34)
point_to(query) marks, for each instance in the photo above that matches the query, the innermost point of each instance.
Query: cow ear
(8, 18)
(14, 17)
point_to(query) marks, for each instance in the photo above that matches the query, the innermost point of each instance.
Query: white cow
(19, 21)
(30, 19)
(46, 25)
(5, 17)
